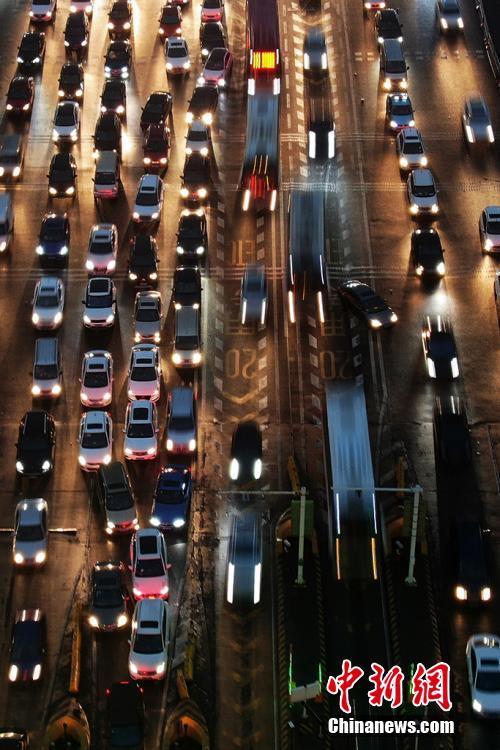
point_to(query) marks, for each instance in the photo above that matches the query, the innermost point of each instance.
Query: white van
(6, 221)
(393, 66)
(47, 371)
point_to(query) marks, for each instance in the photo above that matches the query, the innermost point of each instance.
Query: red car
(156, 147)
(170, 21)
(21, 94)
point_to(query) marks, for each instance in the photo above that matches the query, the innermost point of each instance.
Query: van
(393, 66)
(11, 155)
(187, 339)
(116, 498)
(472, 582)
(181, 421)
(6, 221)
(47, 371)
(107, 175)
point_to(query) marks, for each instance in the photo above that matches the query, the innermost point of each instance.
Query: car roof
(182, 400)
(95, 420)
(149, 181)
(149, 611)
(34, 421)
(62, 161)
(141, 405)
(30, 510)
(99, 285)
(148, 299)
(422, 177)
(411, 134)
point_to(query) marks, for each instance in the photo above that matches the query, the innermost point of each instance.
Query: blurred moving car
(476, 121)
(367, 304)
(27, 646)
(253, 300)
(314, 55)
(320, 130)
(212, 10)
(449, 16)
(451, 432)
(211, 36)
(472, 580)
(30, 532)
(440, 351)
(244, 561)
(125, 719)
(13, 738)
(246, 453)
(43, 11)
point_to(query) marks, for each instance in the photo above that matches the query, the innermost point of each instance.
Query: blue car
(172, 498)
(53, 241)
(27, 647)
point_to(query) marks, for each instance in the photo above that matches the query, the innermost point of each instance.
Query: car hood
(143, 389)
(150, 586)
(147, 328)
(181, 438)
(384, 317)
(53, 246)
(98, 313)
(30, 549)
(147, 661)
(146, 210)
(168, 512)
(488, 701)
(106, 615)
(94, 455)
(141, 444)
(33, 460)
(118, 517)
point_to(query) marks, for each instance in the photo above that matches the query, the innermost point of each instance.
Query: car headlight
(187, 65)
(414, 209)
(111, 265)
(37, 671)
(454, 367)
(204, 51)
(107, 459)
(151, 451)
(324, 63)
(122, 620)
(176, 358)
(64, 250)
(440, 268)
(39, 250)
(170, 444)
(230, 583)
(107, 69)
(380, 39)
(93, 621)
(485, 594)
(423, 161)
(132, 276)
(154, 521)
(155, 214)
(74, 134)
(394, 318)
(476, 706)
(133, 667)
(461, 593)
(178, 523)
(13, 672)
(35, 391)
(419, 269)
(70, 190)
(403, 162)
(25, 107)
(207, 118)
(234, 469)
(393, 124)
(460, 23)
(79, 93)
(444, 23)
(434, 208)
(84, 42)
(9, 107)
(36, 60)
(86, 320)
(307, 61)
(16, 171)
(57, 317)
(169, 66)
(146, 160)
(469, 133)
(120, 109)
(374, 323)
(196, 358)
(160, 668)
(192, 445)
(46, 464)
(257, 469)
(52, 191)
(89, 265)
(19, 466)
(35, 318)
(184, 192)
(124, 69)
(40, 558)
(489, 131)
(136, 215)
(19, 59)
(110, 318)
(387, 84)
(163, 160)
(111, 25)
(153, 276)
(82, 461)
(202, 193)
(126, 25)
(431, 368)
(18, 558)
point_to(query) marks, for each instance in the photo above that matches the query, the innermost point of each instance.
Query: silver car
(148, 317)
(96, 387)
(99, 309)
(30, 532)
(177, 56)
(95, 440)
(141, 430)
(149, 642)
(450, 18)
(66, 122)
(253, 306)
(422, 192)
(102, 249)
(489, 229)
(149, 199)
(144, 374)
(476, 121)
(48, 303)
(198, 138)
(410, 149)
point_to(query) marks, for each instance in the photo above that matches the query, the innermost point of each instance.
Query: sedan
(476, 121)
(253, 304)
(387, 25)
(203, 104)
(144, 373)
(141, 431)
(120, 19)
(27, 647)
(71, 84)
(48, 303)
(198, 138)
(30, 532)
(42, 11)
(76, 33)
(246, 453)
(62, 176)
(96, 380)
(118, 59)
(195, 177)
(35, 444)
(156, 147)
(192, 237)
(20, 95)
(149, 641)
(31, 51)
(483, 670)
(108, 604)
(99, 309)
(449, 16)
(489, 229)
(66, 125)
(157, 109)
(54, 239)
(149, 199)
(186, 288)
(315, 56)
(114, 96)
(177, 56)
(148, 563)
(170, 21)
(212, 10)
(172, 498)
(367, 304)
(143, 259)
(451, 432)
(440, 351)
(217, 68)
(427, 253)
(422, 192)
(148, 317)
(399, 111)
(102, 249)
(410, 149)
(211, 36)
(95, 440)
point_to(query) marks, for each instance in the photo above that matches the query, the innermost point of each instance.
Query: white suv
(149, 642)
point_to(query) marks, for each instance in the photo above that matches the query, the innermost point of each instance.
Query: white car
(148, 563)
(198, 138)
(48, 303)
(42, 10)
(483, 670)
(141, 430)
(177, 56)
(149, 199)
(66, 122)
(149, 640)
(102, 249)
(410, 149)
(489, 229)
(96, 387)
(85, 6)
(30, 532)
(148, 316)
(99, 305)
(422, 192)
(144, 374)
(95, 440)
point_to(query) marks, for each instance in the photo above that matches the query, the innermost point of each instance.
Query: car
(116, 499)
(30, 532)
(496, 294)
(177, 56)
(198, 138)
(195, 177)
(13, 738)
(212, 10)
(410, 149)
(144, 373)
(472, 579)
(148, 564)
(118, 59)
(211, 36)
(54, 239)
(120, 18)
(150, 638)
(387, 25)
(306, 278)
(95, 440)
(314, 54)
(125, 718)
(141, 430)
(96, 381)
(114, 96)
(71, 82)
(440, 351)
(320, 130)
(187, 344)
(367, 304)
(108, 133)
(27, 646)
(218, 67)
(148, 317)
(172, 498)
(170, 21)
(76, 33)
(108, 603)
(244, 561)
(42, 11)
(82, 6)
(483, 671)
(157, 109)
(422, 192)
(149, 199)
(253, 299)
(99, 309)
(489, 229)
(156, 147)
(451, 431)
(476, 121)
(31, 51)
(102, 249)
(245, 463)
(48, 303)
(35, 445)
(192, 237)
(20, 95)
(399, 111)
(181, 421)
(143, 259)
(186, 287)
(427, 253)
(449, 16)
(66, 125)
(62, 176)
(203, 104)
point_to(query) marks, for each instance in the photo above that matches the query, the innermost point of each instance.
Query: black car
(321, 130)
(109, 600)
(71, 82)
(192, 237)
(13, 738)
(31, 51)
(108, 133)
(114, 96)
(120, 18)
(125, 716)
(387, 25)
(20, 95)
(76, 32)
(53, 240)
(27, 647)
(62, 175)
(246, 453)
(172, 498)
(427, 253)
(117, 60)
(36, 444)
(186, 288)
(211, 36)
(203, 103)
(440, 350)
(367, 304)
(472, 579)
(451, 432)
(157, 109)
(196, 177)
(156, 147)
(143, 259)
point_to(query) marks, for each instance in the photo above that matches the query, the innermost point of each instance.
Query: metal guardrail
(491, 51)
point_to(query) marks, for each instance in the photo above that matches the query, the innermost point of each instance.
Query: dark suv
(36, 444)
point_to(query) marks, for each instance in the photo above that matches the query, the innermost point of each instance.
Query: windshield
(119, 11)
(186, 343)
(107, 597)
(186, 287)
(99, 300)
(4, 228)
(149, 568)
(33, 443)
(182, 424)
(488, 682)
(148, 198)
(68, 76)
(143, 374)
(156, 144)
(424, 191)
(18, 91)
(147, 314)
(47, 300)
(53, 233)
(61, 175)
(169, 15)
(211, 4)
(194, 176)
(65, 117)
(119, 501)
(169, 494)
(441, 346)
(197, 136)
(143, 259)
(45, 372)
(492, 227)
(154, 106)
(101, 248)
(94, 440)
(26, 646)
(176, 52)
(116, 56)
(105, 178)
(29, 534)
(395, 66)
(140, 430)
(148, 644)
(96, 379)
